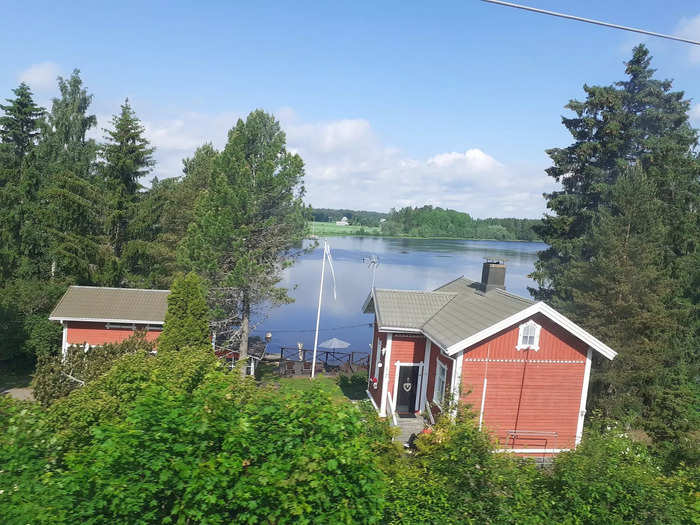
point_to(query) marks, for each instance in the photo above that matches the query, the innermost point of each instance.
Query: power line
(591, 21)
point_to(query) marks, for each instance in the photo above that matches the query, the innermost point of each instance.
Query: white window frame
(441, 368)
(521, 335)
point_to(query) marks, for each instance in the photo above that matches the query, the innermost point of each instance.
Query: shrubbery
(176, 438)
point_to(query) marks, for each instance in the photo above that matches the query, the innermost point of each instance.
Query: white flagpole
(318, 314)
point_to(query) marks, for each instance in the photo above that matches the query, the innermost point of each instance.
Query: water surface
(417, 264)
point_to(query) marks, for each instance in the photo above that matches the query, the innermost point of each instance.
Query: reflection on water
(418, 264)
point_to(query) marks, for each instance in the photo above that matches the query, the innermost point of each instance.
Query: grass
(331, 229)
(339, 390)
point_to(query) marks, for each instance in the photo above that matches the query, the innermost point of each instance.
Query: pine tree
(247, 223)
(186, 321)
(127, 157)
(19, 126)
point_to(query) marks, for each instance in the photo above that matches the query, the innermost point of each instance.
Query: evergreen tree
(639, 120)
(65, 146)
(19, 126)
(187, 318)
(247, 223)
(127, 157)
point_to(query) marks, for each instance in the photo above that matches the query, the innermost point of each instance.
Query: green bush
(611, 479)
(56, 377)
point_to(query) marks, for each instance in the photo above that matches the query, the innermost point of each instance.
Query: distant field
(330, 229)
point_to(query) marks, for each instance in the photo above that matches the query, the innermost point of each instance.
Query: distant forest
(355, 217)
(438, 222)
(428, 221)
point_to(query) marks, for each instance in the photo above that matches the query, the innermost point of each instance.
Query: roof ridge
(117, 288)
(414, 291)
(515, 296)
(439, 310)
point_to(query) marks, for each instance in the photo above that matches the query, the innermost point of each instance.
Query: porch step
(409, 424)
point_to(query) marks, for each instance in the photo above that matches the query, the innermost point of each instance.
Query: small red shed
(521, 365)
(94, 316)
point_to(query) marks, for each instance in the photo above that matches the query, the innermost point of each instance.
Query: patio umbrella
(334, 344)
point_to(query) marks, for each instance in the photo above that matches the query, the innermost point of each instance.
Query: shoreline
(335, 234)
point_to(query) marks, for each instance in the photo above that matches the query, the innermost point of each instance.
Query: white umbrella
(334, 344)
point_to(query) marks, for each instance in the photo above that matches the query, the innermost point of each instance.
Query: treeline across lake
(429, 221)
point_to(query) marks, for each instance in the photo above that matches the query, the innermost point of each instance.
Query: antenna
(372, 262)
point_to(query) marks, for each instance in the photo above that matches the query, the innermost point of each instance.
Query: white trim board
(537, 308)
(385, 372)
(95, 320)
(584, 397)
(374, 403)
(426, 372)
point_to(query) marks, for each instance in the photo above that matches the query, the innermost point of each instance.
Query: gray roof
(448, 315)
(93, 303)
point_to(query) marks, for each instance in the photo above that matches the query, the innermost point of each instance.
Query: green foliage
(56, 376)
(437, 222)
(622, 258)
(19, 125)
(127, 157)
(611, 479)
(175, 438)
(25, 330)
(248, 221)
(355, 217)
(186, 321)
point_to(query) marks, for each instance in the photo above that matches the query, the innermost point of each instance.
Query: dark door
(408, 388)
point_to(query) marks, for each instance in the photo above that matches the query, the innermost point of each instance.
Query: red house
(94, 316)
(522, 366)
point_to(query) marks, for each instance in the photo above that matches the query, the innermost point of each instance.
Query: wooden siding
(534, 392)
(435, 356)
(79, 333)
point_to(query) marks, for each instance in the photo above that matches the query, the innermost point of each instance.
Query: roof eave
(96, 320)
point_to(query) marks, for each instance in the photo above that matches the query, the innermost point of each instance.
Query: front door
(408, 388)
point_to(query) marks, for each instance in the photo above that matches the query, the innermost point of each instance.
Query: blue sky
(389, 103)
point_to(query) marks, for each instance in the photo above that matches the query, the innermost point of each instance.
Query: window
(440, 383)
(529, 336)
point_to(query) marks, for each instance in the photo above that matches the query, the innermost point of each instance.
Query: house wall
(80, 332)
(534, 391)
(435, 356)
(405, 348)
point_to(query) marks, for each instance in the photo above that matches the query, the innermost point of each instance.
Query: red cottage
(94, 316)
(522, 366)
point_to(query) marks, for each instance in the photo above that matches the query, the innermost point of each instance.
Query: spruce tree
(127, 156)
(186, 321)
(19, 126)
(639, 120)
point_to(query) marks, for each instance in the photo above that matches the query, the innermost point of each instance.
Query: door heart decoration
(407, 387)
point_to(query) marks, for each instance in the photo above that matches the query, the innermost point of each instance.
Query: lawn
(352, 387)
(330, 229)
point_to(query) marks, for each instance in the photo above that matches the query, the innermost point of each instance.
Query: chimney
(493, 275)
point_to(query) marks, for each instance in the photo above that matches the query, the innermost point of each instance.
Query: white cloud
(690, 28)
(349, 166)
(41, 77)
(694, 115)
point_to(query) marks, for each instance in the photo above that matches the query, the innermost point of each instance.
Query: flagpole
(318, 314)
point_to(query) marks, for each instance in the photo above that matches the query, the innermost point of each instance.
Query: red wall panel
(534, 392)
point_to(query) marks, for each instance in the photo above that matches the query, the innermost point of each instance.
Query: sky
(390, 104)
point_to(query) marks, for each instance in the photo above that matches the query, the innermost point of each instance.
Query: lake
(418, 264)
